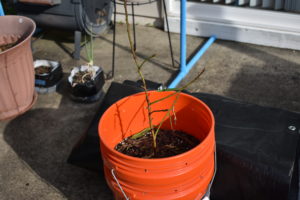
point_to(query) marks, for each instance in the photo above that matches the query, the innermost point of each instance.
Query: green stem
(163, 110)
(144, 61)
(92, 50)
(140, 74)
(166, 97)
(149, 108)
(167, 114)
(178, 90)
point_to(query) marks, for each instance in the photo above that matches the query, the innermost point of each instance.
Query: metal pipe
(198, 55)
(182, 35)
(1, 9)
(168, 31)
(114, 42)
(133, 26)
(184, 67)
(192, 62)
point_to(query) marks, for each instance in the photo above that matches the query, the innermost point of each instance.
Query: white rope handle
(124, 194)
(207, 195)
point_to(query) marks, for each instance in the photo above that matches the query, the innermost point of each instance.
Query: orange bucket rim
(211, 131)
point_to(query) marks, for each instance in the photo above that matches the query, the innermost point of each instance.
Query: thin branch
(149, 104)
(166, 97)
(163, 110)
(92, 50)
(146, 60)
(141, 133)
(192, 81)
(177, 90)
(171, 121)
(168, 113)
(140, 73)
(129, 34)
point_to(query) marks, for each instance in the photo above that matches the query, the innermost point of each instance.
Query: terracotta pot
(16, 67)
(185, 176)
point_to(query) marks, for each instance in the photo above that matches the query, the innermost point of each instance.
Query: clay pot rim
(179, 156)
(27, 38)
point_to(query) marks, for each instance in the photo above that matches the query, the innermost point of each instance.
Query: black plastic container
(89, 91)
(48, 80)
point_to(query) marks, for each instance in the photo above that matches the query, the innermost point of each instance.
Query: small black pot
(90, 91)
(48, 82)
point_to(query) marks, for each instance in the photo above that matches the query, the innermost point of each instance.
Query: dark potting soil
(169, 143)
(82, 77)
(43, 70)
(7, 46)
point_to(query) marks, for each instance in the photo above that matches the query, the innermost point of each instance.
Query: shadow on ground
(44, 138)
(273, 83)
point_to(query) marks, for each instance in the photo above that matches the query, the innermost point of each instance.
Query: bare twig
(154, 129)
(139, 66)
(177, 90)
(146, 60)
(163, 110)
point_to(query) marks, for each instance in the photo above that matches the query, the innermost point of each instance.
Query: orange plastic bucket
(185, 176)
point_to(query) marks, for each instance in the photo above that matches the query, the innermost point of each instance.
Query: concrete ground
(34, 147)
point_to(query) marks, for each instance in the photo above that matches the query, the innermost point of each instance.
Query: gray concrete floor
(34, 147)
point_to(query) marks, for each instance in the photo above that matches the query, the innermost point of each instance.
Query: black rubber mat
(256, 147)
